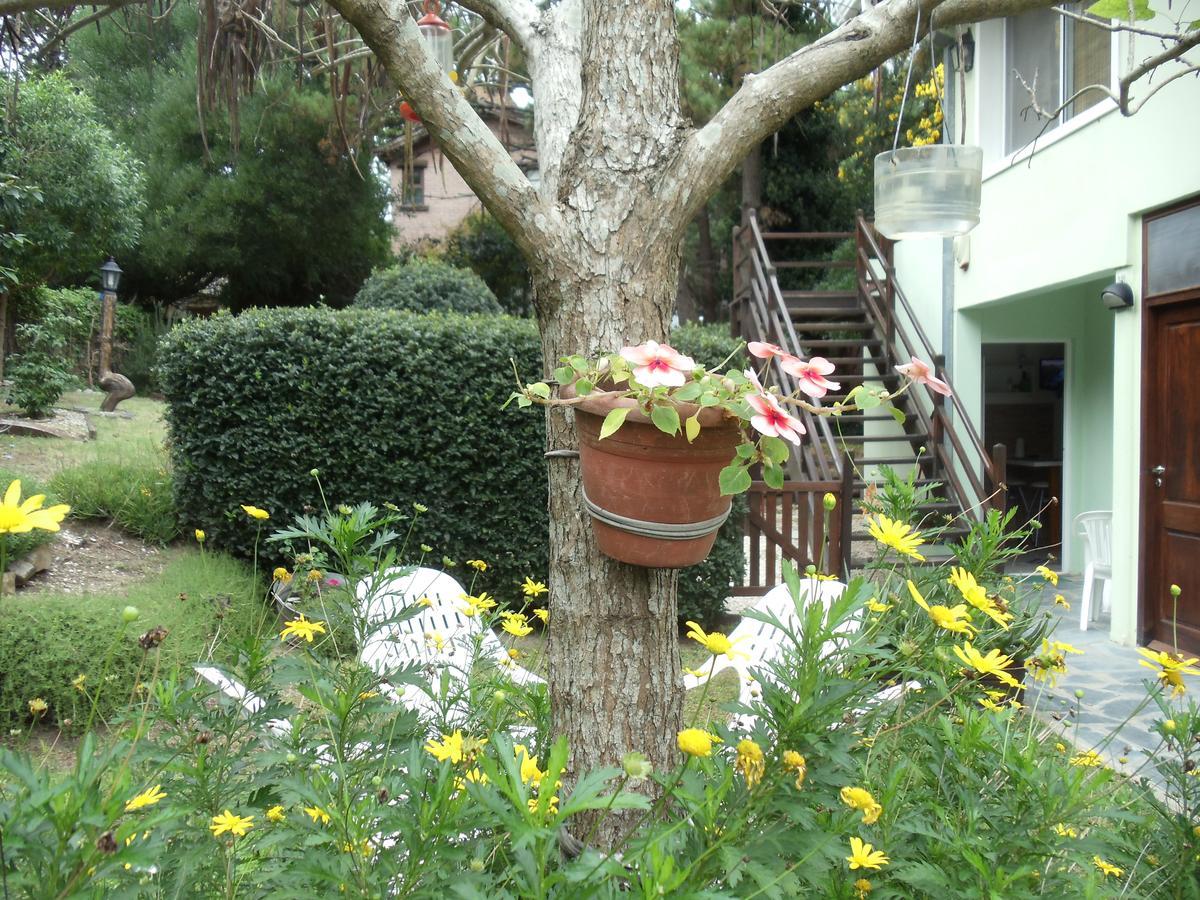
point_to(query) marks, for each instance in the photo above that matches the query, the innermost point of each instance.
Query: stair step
(802, 324)
(844, 342)
(862, 438)
(847, 310)
(887, 460)
(856, 360)
(820, 295)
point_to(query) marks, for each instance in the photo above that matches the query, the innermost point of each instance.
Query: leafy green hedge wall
(389, 406)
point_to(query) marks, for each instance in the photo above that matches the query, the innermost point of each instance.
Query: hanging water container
(926, 191)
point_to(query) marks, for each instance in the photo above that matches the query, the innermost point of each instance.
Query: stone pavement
(1113, 685)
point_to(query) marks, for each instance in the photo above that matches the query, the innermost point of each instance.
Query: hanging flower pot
(664, 444)
(654, 499)
(928, 191)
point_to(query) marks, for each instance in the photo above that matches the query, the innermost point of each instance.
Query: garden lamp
(110, 276)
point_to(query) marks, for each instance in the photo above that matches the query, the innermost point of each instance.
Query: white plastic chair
(765, 644)
(1096, 528)
(437, 634)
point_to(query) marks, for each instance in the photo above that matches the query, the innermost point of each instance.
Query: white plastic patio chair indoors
(765, 643)
(1096, 528)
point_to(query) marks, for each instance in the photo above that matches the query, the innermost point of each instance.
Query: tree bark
(614, 673)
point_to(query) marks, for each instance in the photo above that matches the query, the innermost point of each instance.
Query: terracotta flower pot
(653, 498)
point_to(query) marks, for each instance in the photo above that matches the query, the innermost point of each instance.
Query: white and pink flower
(764, 350)
(810, 373)
(772, 420)
(920, 372)
(658, 364)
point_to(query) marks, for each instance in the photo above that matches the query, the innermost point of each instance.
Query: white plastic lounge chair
(248, 702)
(766, 644)
(1096, 528)
(435, 633)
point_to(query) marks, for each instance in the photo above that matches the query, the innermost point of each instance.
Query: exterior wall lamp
(1117, 296)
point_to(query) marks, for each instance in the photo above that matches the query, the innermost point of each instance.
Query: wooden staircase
(790, 290)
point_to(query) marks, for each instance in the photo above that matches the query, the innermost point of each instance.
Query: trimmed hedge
(390, 407)
(427, 285)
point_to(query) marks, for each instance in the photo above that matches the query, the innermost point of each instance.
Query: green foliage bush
(38, 375)
(48, 640)
(482, 245)
(134, 490)
(73, 317)
(427, 285)
(379, 403)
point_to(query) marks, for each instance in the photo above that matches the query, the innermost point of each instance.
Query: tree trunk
(614, 672)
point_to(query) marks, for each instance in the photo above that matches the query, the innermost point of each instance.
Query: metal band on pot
(663, 531)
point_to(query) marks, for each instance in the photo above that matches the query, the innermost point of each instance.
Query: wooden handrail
(755, 279)
(884, 290)
(807, 235)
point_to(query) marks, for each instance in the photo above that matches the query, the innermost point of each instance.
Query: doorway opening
(1024, 386)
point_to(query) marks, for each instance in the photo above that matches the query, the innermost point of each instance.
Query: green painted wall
(1075, 316)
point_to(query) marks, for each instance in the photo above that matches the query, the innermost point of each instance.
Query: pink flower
(772, 420)
(921, 373)
(658, 364)
(811, 375)
(766, 351)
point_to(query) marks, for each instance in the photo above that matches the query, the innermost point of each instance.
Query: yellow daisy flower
(861, 799)
(715, 643)
(255, 513)
(148, 797)
(228, 822)
(865, 856)
(994, 664)
(955, 618)
(302, 628)
(696, 742)
(897, 535)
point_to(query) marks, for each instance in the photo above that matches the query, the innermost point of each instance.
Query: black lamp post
(117, 386)
(110, 278)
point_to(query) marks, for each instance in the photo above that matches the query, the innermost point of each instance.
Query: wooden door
(1171, 472)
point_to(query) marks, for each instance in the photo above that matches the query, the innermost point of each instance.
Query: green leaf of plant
(897, 414)
(773, 475)
(1119, 9)
(775, 448)
(539, 389)
(708, 400)
(614, 420)
(564, 374)
(746, 450)
(578, 363)
(665, 418)
(691, 427)
(689, 392)
(867, 400)
(734, 479)
(583, 387)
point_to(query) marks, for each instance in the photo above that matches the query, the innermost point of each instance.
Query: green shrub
(427, 285)
(38, 374)
(482, 245)
(134, 490)
(376, 401)
(49, 640)
(72, 316)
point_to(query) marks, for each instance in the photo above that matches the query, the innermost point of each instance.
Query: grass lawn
(42, 458)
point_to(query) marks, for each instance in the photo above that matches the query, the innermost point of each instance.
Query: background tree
(83, 186)
(274, 204)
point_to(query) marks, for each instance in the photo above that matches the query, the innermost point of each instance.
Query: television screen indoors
(1052, 374)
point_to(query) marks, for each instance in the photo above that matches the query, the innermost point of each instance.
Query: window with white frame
(1048, 57)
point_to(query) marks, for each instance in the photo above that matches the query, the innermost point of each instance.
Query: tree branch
(516, 18)
(470, 145)
(767, 100)
(13, 7)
